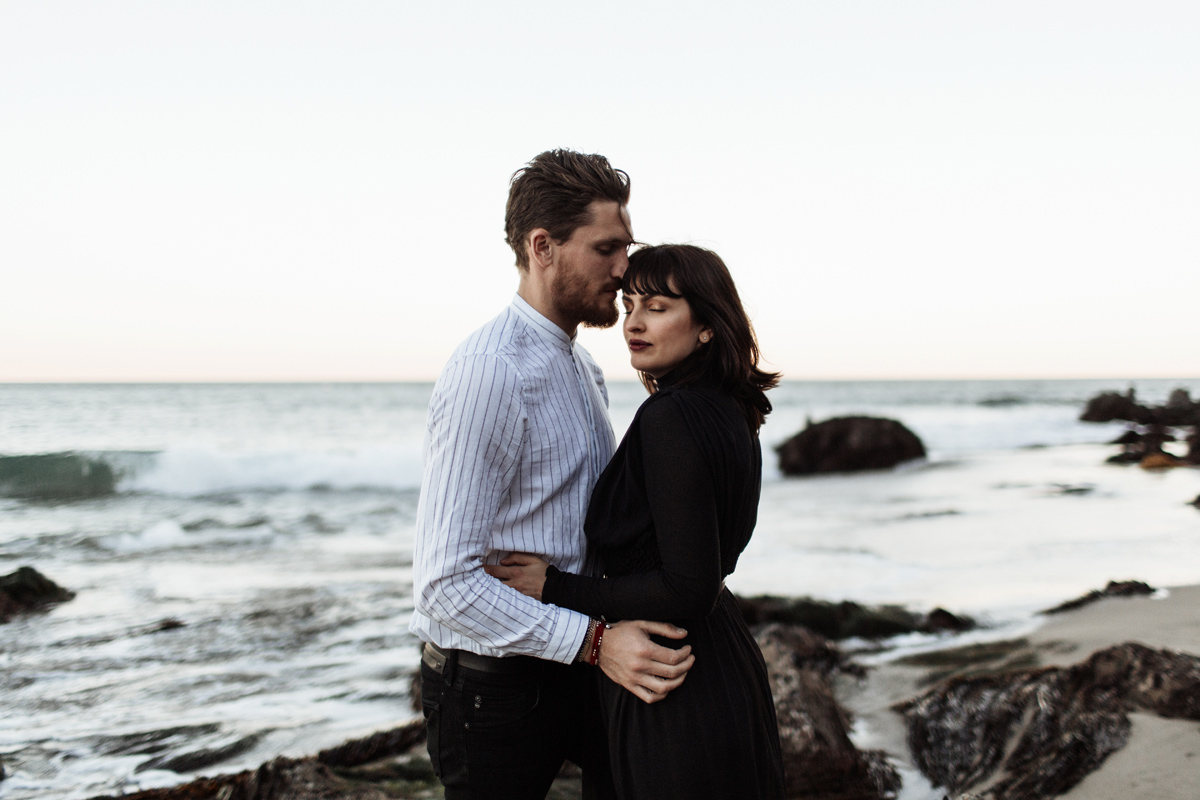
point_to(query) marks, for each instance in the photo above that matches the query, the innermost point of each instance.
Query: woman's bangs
(648, 275)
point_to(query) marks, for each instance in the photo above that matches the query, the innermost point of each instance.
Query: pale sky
(315, 190)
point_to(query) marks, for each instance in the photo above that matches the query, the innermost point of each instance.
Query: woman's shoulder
(662, 406)
(687, 405)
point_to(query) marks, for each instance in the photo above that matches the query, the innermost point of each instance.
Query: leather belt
(436, 659)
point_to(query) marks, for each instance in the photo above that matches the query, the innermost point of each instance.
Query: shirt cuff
(566, 635)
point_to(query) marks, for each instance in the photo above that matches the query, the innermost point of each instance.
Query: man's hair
(553, 191)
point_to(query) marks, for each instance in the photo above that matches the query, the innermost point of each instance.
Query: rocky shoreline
(1046, 715)
(996, 721)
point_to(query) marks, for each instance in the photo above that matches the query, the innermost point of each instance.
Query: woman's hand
(521, 571)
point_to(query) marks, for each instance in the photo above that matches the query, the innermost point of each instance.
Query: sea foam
(201, 469)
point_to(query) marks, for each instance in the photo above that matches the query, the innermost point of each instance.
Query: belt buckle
(433, 658)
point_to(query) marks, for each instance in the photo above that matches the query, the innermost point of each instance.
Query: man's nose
(621, 265)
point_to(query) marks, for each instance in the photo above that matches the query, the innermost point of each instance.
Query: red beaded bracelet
(594, 656)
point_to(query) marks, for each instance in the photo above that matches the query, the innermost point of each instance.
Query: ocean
(244, 588)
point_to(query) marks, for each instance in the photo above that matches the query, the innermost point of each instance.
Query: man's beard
(575, 300)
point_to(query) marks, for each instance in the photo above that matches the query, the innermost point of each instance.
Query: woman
(667, 521)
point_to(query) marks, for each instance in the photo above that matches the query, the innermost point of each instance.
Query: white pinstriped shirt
(518, 433)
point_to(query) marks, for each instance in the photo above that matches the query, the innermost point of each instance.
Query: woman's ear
(706, 335)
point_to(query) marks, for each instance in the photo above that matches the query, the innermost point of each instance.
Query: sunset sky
(315, 190)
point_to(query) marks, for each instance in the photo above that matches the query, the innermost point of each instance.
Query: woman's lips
(637, 344)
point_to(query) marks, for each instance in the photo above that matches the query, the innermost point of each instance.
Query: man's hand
(522, 571)
(649, 670)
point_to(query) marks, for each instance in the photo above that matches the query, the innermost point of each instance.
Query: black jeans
(505, 736)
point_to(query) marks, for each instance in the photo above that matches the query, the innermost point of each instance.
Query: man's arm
(475, 430)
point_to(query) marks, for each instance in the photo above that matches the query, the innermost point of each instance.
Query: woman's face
(660, 332)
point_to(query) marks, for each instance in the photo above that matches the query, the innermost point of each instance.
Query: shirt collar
(544, 328)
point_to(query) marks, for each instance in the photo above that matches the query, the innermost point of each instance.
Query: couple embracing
(570, 593)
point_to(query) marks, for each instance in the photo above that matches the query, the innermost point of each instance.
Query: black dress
(668, 519)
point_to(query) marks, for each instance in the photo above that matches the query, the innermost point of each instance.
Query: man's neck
(539, 298)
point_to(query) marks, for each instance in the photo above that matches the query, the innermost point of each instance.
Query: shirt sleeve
(473, 444)
(682, 499)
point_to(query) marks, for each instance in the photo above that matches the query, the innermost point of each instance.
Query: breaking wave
(191, 470)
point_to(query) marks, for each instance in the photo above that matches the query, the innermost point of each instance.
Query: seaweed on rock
(1033, 735)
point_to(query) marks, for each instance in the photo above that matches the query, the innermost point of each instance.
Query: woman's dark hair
(730, 359)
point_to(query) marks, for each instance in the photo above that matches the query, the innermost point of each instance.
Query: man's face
(589, 267)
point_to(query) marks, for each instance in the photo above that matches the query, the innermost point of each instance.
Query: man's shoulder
(499, 336)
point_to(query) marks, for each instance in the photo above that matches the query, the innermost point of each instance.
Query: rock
(168, 624)
(849, 444)
(846, 619)
(819, 759)
(972, 660)
(1179, 410)
(1155, 436)
(1179, 398)
(1130, 436)
(281, 779)
(1109, 406)
(1137, 446)
(28, 590)
(1113, 589)
(1193, 453)
(1036, 734)
(942, 620)
(8, 608)
(1160, 461)
(375, 747)
(196, 760)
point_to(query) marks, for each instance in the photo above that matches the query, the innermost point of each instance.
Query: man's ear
(540, 248)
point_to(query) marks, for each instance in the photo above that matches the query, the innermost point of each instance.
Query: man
(518, 433)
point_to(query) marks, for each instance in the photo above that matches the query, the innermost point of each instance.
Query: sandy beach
(1162, 759)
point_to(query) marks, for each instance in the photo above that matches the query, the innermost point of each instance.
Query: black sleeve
(682, 499)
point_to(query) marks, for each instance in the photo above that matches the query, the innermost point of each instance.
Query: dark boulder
(196, 760)
(281, 779)
(846, 619)
(1036, 734)
(380, 745)
(28, 590)
(1156, 461)
(1109, 406)
(1130, 436)
(1136, 445)
(849, 444)
(1113, 589)
(1179, 410)
(940, 620)
(819, 760)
